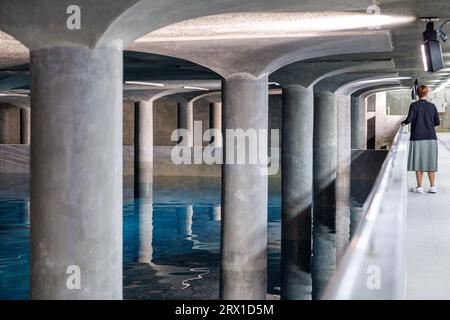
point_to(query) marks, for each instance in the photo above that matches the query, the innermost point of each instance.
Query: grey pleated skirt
(423, 155)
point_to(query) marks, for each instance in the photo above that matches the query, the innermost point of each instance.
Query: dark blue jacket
(423, 117)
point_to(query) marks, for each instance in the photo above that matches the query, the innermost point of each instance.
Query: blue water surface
(171, 241)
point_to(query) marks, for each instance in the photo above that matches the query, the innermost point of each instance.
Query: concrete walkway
(428, 235)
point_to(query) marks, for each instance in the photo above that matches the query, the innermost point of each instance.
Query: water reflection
(342, 231)
(184, 219)
(215, 213)
(176, 277)
(343, 187)
(296, 269)
(324, 250)
(172, 243)
(14, 234)
(145, 210)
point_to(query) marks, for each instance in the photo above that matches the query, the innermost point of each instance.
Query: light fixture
(430, 48)
(251, 25)
(195, 88)
(151, 84)
(388, 79)
(443, 85)
(13, 95)
(424, 57)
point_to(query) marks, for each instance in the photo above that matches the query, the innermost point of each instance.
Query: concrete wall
(386, 126)
(165, 121)
(15, 159)
(371, 103)
(165, 117)
(442, 101)
(128, 123)
(398, 103)
(201, 113)
(9, 124)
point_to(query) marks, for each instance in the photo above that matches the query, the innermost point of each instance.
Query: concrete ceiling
(42, 23)
(192, 47)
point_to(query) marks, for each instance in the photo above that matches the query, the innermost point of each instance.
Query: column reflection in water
(26, 211)
(324, 244)
(215, 213)
(298, 270)
(184, 228)
(184, 221)
(342, 231)
(145, 207)
(355, 218)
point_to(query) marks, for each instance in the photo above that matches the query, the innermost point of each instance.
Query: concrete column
(362, 123)
(244, 193)
(143, 148)
(355, 128)
(383, 136)
(76, 169)
(9, 124)
(186, 120)
(358, 123)
(343, 174)
(297, 189)
(215, 122)
(324, 219)
(25, 125)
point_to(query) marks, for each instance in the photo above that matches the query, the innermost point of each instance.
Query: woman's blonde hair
(422, 91)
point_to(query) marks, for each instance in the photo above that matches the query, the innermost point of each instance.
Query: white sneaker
(417, 190)
(432, 190)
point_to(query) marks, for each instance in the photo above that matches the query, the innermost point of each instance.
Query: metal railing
(373, 266)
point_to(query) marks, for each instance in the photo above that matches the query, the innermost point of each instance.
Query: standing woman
(423, 147)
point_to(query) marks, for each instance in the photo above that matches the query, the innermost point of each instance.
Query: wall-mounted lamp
(431, 49)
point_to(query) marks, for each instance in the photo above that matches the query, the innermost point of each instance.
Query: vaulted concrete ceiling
(42, 23)
(263, 34)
